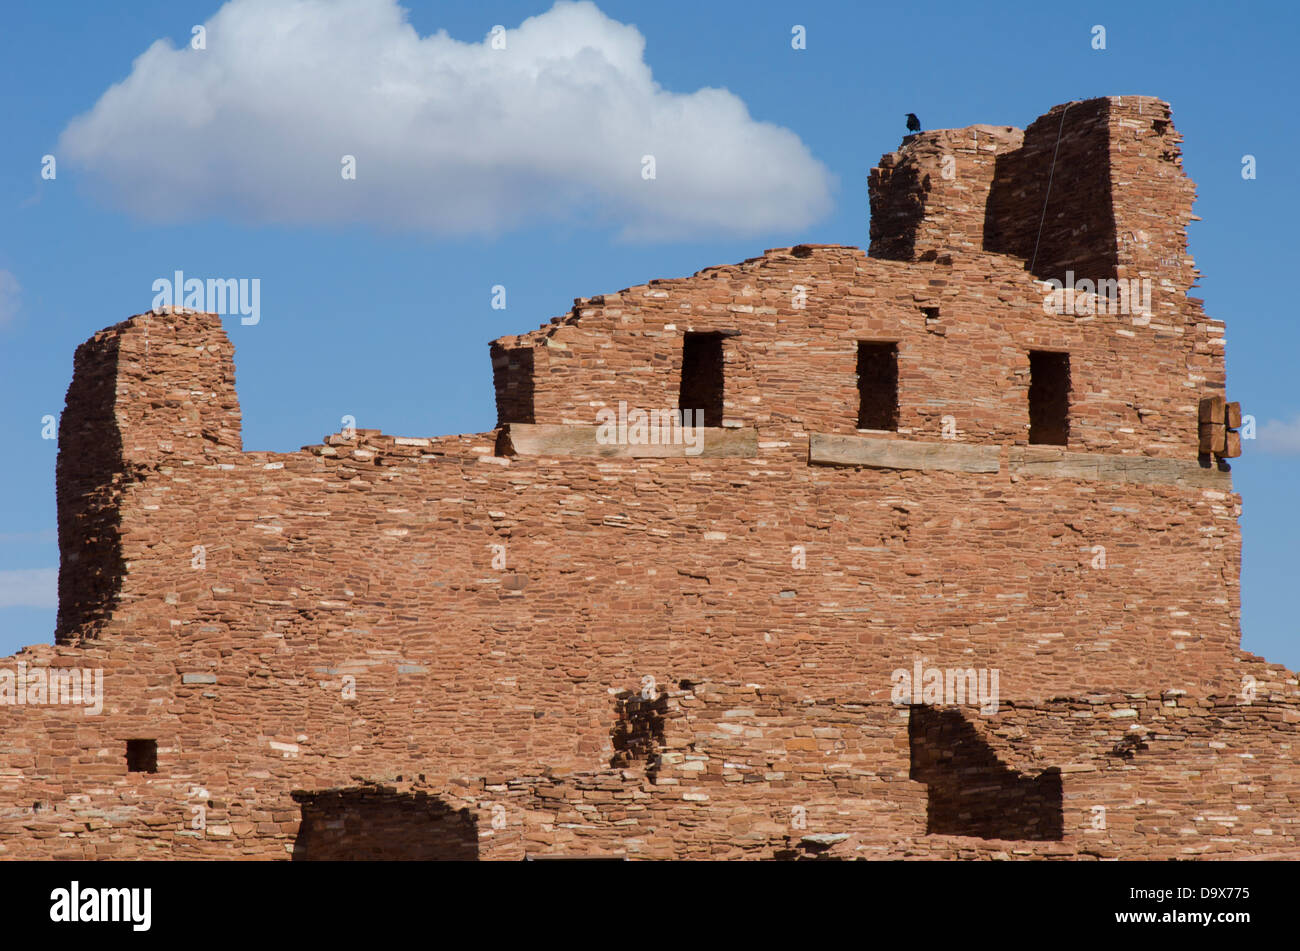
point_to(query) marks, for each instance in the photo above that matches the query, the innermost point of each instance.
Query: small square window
(142, 756)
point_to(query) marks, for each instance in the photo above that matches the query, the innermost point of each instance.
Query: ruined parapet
(1051, 199)
(154, 388)
(162, 383)
(1098, 189)
(1093, 187)
(1150, 194)
(929, 197)
(1152, 198)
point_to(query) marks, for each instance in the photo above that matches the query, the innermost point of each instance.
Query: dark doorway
(375, 824)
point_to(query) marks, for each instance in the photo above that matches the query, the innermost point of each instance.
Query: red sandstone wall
(373, 559)
(352, 661)
(738, 771)
(1136, 381)
(989, 566)
(157, 387)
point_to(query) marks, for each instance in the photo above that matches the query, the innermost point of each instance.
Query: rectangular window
(877, 385)
(1049, 398)
(702, 376)
(142, 756)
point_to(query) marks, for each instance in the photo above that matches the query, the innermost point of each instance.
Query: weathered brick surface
(439, 647)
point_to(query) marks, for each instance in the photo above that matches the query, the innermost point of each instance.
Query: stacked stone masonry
(533, 643)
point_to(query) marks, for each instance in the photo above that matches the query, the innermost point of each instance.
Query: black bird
(913, 123)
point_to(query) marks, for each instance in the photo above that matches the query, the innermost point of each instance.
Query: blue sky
(377, 302)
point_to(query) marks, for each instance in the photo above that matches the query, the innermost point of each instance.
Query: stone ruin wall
(498, 712)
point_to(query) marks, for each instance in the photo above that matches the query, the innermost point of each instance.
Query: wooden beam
(1212, 438)
(875, 453)
(1107, 467)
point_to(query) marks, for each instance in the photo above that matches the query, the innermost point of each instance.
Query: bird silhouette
(913, 123)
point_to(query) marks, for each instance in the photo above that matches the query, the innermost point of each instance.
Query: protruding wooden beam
(1212, 410)
(1213, 438)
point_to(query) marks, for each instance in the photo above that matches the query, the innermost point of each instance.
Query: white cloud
(449, 137)
(29, 588)
(1279, 437)
(9, 290)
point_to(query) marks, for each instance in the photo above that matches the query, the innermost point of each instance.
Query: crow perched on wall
(913, 123)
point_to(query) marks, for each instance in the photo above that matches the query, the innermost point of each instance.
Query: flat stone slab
(1102, 467)
(546, 439)
(825, 449)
